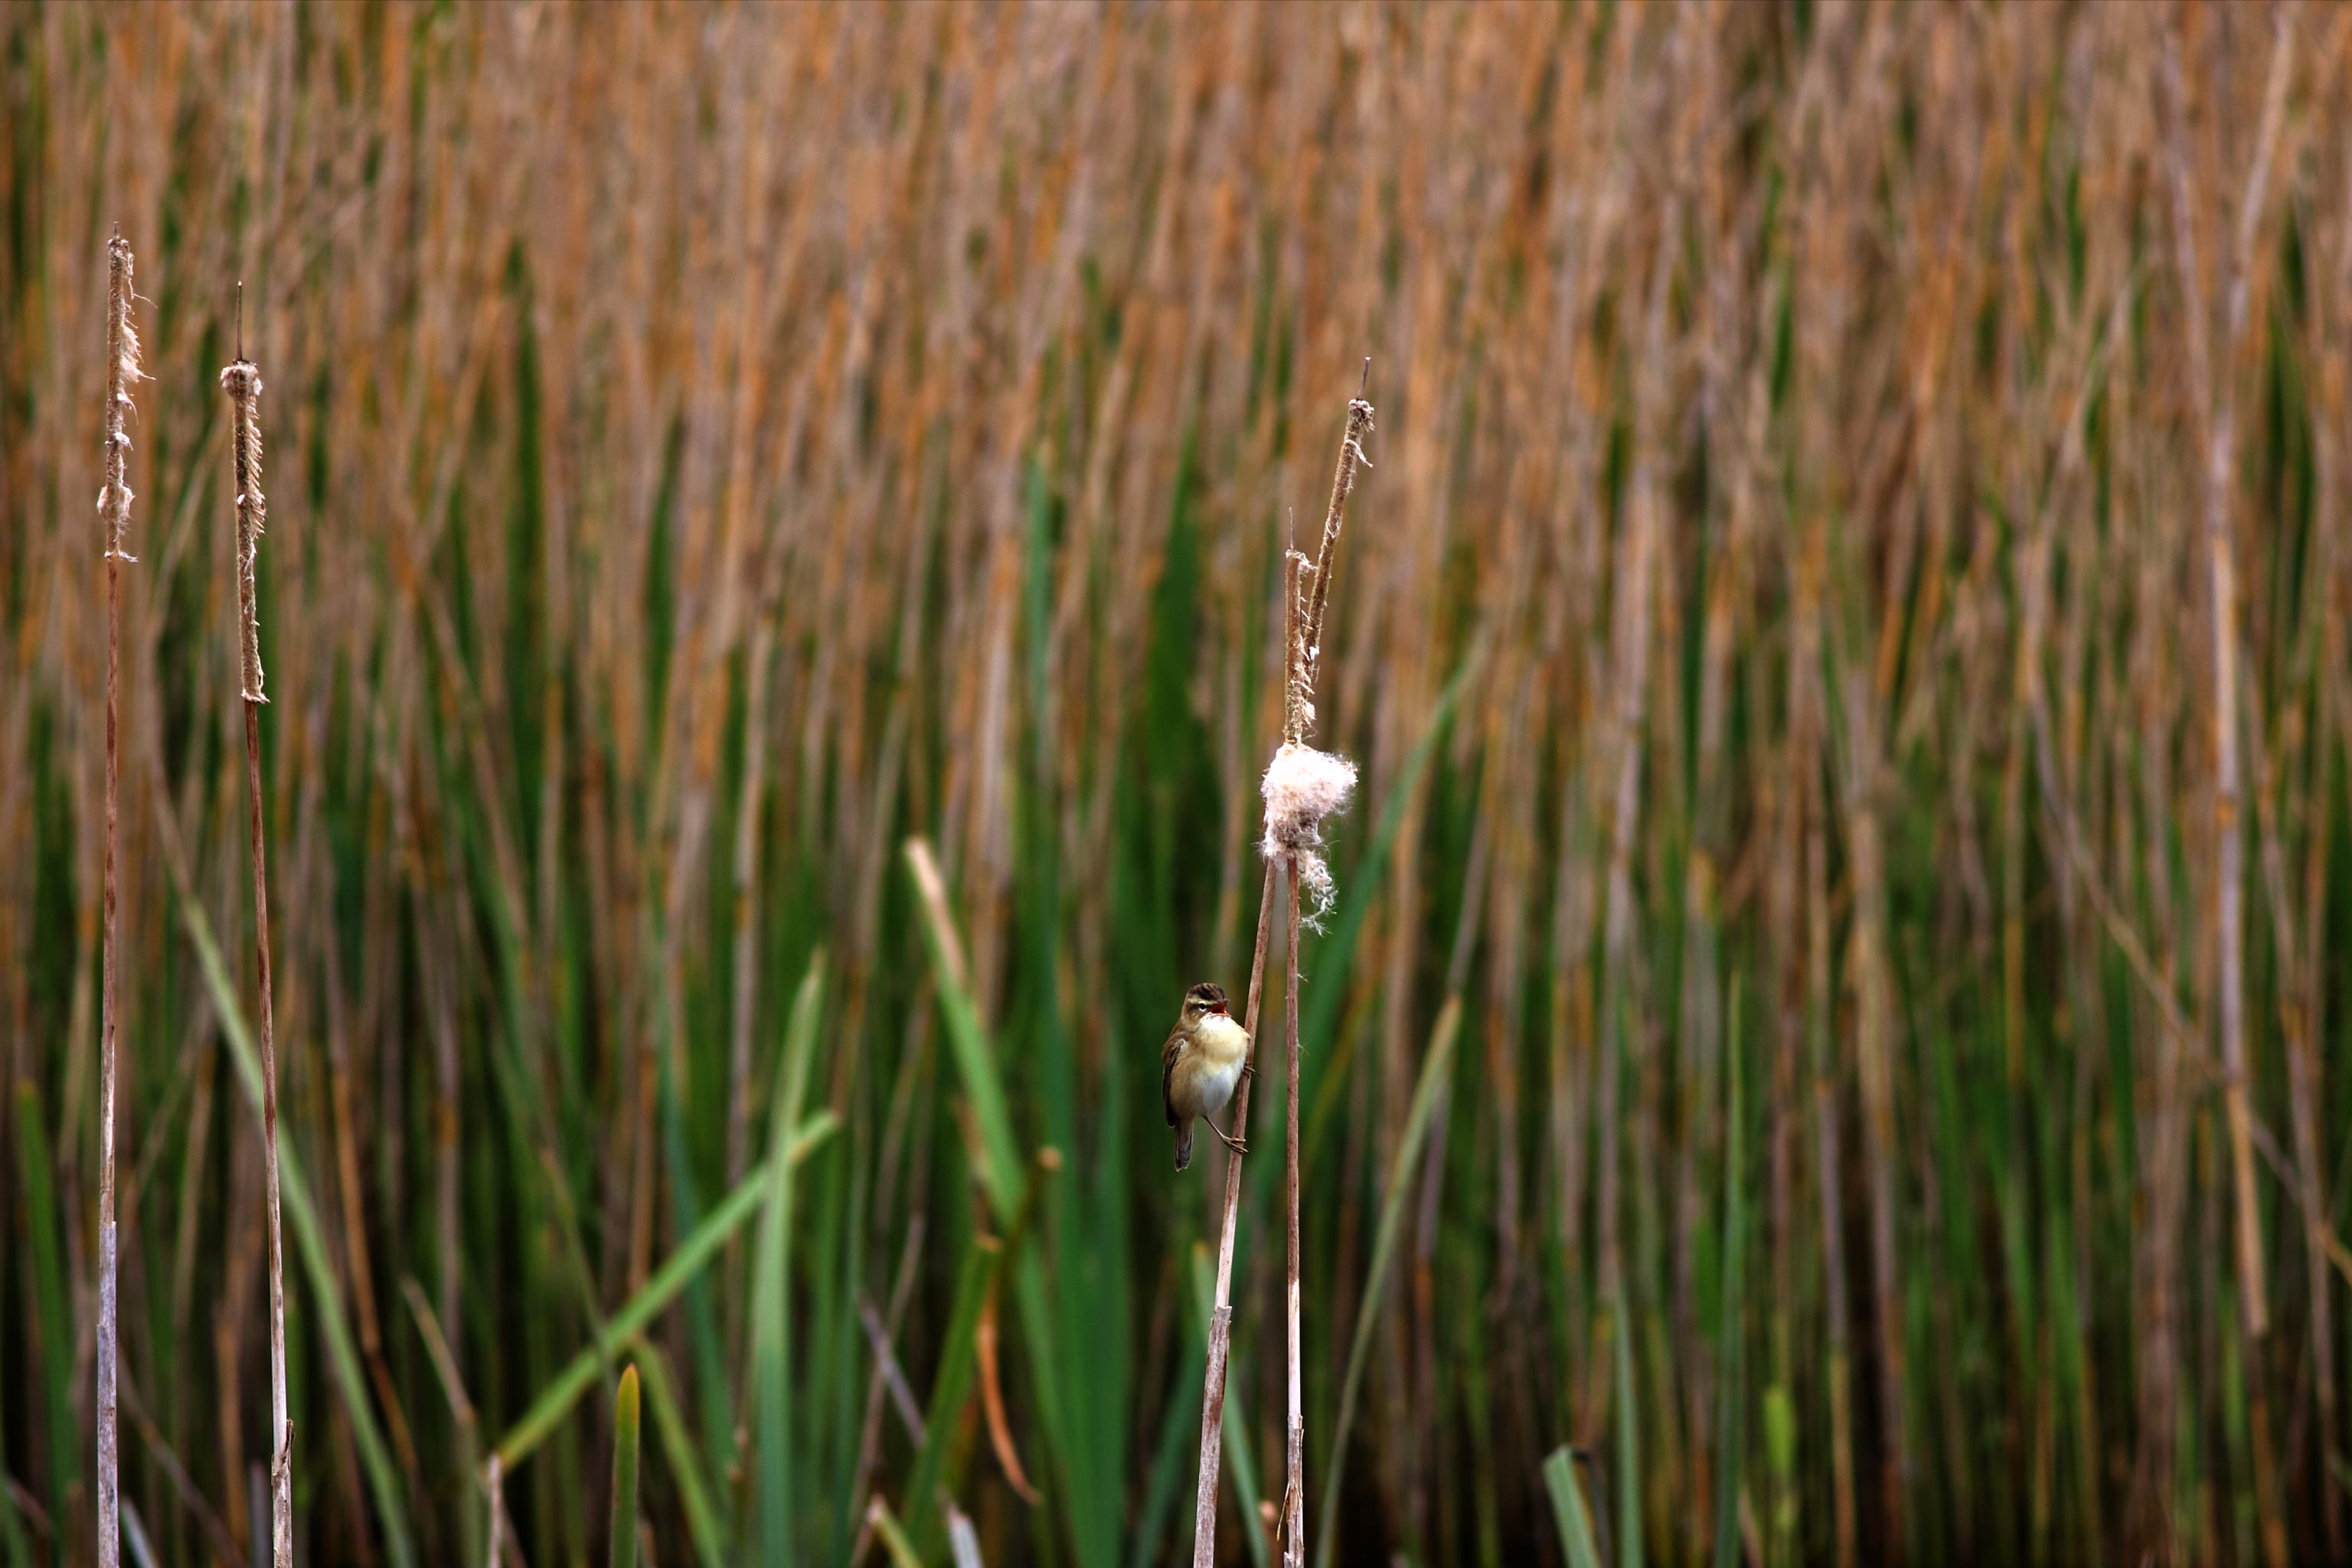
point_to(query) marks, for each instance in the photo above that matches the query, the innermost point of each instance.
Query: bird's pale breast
(1205, 1075)
(1201, 1083)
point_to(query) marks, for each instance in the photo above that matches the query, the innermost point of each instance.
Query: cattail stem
(114, 503)
(1294, 1486)
(2217, 404)
(1221, 1317)
(1305, 593)
(242, 382)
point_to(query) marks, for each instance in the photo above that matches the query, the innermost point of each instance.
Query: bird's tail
(1184, 1144)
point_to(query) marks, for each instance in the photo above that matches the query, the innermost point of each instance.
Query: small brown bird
(1204, 1058)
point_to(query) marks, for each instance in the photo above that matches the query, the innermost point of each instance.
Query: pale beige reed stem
(242, 382)
(1294, 1468)
(1314, 587)
(1306, 595)
(114, 506)
(2216, 402)
(1221, 1317)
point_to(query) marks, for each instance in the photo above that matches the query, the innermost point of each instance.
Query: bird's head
(1205, 1001)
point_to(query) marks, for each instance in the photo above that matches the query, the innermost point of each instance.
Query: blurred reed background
(713, 447)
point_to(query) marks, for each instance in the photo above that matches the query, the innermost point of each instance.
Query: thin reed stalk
(1294, 1467)
(1294, 809)
(242, 381)
(494, 1482)
(1296, 805)
(2217, 406)
(1220, 1315)
(114, 503)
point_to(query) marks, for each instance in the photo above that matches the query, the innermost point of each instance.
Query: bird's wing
(1170, 1055)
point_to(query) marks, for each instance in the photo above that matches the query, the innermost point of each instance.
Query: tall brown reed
(1297, 801)
(1293, 822)
(114, 503)
(2216, 409)
(242, 381)
(1912, 217)
(1220, 1315)
(1293, 1339)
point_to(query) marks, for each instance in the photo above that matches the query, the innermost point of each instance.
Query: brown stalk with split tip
(114, 505)
(1306, 594)
(242, 382)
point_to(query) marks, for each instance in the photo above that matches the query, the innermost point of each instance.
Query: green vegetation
(622, 1530)
(1830, 1040)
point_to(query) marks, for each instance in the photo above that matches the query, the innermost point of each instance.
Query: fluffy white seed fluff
(1303, 787)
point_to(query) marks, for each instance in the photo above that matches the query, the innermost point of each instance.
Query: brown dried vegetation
(1892, 468)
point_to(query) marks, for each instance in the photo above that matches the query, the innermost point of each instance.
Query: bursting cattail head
(242, 382)
(121, 373)
(1303, 787)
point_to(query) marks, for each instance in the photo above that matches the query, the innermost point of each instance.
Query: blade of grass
(893, 1535)
(951, 1384)
(702, 1518)
(838, 1333)
(625, 1436)
(19, 1550)
(771, 1292)
(984, 1084)
(134, 1536)
(1397, 1189)
(1000, 1170)
(463, 1419)
(317, 1266)
(693, 1255)
(48, 1297)
(1567, 1512)
(1089, 1222)
(963, 1541)
(1728, 1347)
(705, 1349)
(1628, 1442)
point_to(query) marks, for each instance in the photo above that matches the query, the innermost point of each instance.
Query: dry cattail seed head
(121, 373)
(242, 382)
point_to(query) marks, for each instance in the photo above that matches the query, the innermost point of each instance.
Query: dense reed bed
(775, 616)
